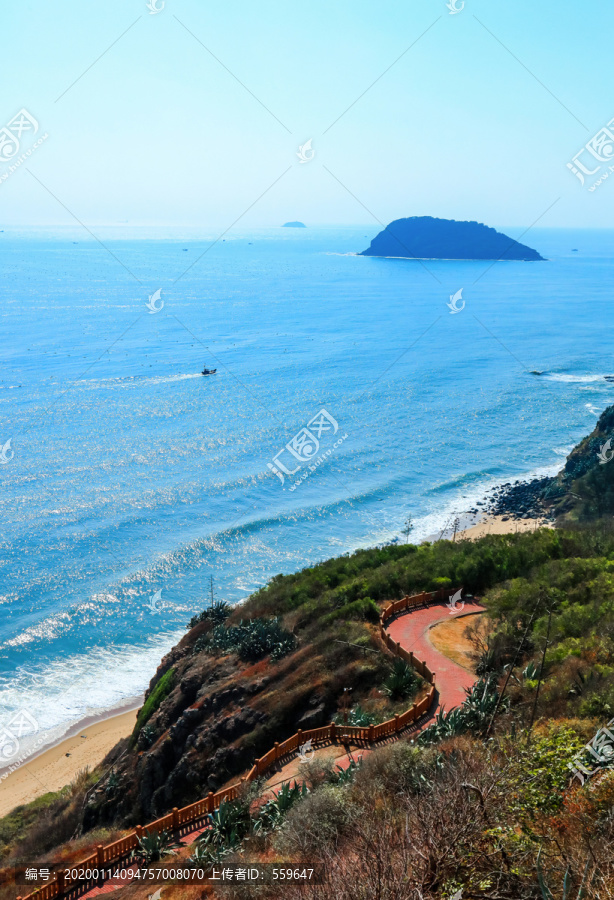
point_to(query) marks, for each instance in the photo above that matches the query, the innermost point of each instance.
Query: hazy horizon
(196, 114)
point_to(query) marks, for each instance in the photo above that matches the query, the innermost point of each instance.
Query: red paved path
(411, 631)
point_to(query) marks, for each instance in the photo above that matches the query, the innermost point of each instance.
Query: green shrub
(313, 824)
(364, 609)
(598, 706)
(541, 772)
(160, 692)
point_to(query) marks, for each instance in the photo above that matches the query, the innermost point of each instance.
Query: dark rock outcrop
(583, 490)
(423, 237)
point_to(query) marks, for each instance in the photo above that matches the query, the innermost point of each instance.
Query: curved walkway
(411, 630)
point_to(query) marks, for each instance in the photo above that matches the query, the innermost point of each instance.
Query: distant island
(423, 237)
(294, 225)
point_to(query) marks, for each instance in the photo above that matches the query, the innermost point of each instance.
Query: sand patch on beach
(502, 525)
(59, 765)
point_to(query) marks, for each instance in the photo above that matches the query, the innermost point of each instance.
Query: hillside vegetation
(471, 807)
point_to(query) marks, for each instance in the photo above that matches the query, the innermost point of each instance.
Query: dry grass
(450, 638)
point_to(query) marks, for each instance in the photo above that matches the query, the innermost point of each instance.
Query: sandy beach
(56, 767)
(502, 525)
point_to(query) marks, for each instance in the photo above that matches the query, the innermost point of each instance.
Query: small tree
(407, 528)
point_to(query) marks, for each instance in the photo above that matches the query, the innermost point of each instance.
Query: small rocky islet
(425, 237)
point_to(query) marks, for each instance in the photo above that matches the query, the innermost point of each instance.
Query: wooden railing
(177, 820)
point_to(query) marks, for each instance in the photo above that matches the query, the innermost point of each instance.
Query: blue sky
(158, 131)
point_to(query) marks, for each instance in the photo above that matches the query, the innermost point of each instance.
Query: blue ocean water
(133, 474)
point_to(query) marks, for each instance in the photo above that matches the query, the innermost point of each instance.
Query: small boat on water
(207, 371)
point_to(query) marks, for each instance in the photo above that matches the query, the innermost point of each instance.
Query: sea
(349, 397)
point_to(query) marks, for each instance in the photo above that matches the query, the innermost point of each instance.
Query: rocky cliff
(223, 696)
(582, 491)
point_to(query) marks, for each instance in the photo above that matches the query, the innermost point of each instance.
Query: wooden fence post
(60, 878)
(139, 831)
(100, 856)
(299, 736)
(396, 723)
(333, 731)
(175, 818)
(210, 802)
(371, 730)
(276, 750)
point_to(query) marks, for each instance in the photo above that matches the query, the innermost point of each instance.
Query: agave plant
(217, 613)
(112, 783)
(272, 812)
(530, 671)
(567, 885)
(401, 682)
(487, 663)
(481, 703)
(474, 714)
(147, 736)
(445, 725)
(343, 776)
(357, 717)
(206, 856)
(228, 825)
(253, 639)
(153, 845)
